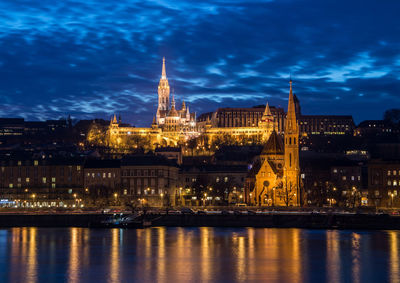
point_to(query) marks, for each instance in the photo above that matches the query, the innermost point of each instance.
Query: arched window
(290, 140)
(290, 160)
(294, 140)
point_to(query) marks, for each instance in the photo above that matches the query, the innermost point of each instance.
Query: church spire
(163, 73)
(267, 111)
(173, 101)
(291, 112)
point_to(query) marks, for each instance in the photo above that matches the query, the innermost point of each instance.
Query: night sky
(91, 59)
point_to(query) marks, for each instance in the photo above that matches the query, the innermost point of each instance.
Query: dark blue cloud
(93, 58)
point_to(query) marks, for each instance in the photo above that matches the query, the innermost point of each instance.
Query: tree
(392, 116)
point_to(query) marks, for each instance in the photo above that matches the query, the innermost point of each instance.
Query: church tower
(163, 96)
(291, 167)
(267, 123)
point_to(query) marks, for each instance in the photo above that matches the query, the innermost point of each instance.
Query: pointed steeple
(183, 105)
(173, 101)
(291, 112)
(114, 121)
(154, 120)
(172, 112)
(267, 111)
(163, 73)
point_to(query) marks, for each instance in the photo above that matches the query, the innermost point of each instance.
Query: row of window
(217, 179)
(11, 171)
(11, 185)
(394, 183)
(140, 173)
(101, 175)
(353, 178)
(394, 172)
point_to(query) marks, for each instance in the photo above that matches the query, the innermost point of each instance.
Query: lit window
(19, 180)
(10, 186)
(334, 170)
(394, 172)
(27, 180)
(217, 179)
(344, 178)
(389, 183)
(36, 163)
(53, 179)
(78, 168)
(53, 186)
(44, 180)
(388, 172)
(394, 183)
(226, 179)
(352, 178)
(109, 175)
(125, 191)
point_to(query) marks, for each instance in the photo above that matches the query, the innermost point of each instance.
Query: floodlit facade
(172, 126)
(277, 175)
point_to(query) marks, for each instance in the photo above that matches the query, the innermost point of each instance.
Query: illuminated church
(168, 116)
(277, 171)
(173, 127)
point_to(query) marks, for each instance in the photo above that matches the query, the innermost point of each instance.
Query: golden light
(115, 195)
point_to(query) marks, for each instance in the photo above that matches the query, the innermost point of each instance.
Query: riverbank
(268, 220)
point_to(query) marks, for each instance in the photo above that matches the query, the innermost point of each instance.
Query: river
(198, 255)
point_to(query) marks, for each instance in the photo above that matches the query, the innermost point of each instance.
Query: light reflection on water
(198, 255)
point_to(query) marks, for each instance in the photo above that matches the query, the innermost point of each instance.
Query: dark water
(198, 255)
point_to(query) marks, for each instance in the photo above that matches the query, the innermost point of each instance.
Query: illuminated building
(326, 125)
(277, 173)
(170, 125)
(241, 117)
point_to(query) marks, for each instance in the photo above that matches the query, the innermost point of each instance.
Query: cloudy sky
(93, 58)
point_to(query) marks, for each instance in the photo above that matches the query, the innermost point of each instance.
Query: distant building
(241, 117)
(42, 183)
(211, 184)
(151, 179)
(376, 128)
(101, 174)
(384, 183)
(326, 125)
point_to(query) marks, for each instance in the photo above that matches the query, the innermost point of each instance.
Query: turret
(163, 94)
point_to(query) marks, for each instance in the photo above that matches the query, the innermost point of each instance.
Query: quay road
(225, 217)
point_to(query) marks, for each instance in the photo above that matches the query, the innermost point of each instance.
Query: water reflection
(333, 256)
(198, 254)
(114, 256)
(394, 257)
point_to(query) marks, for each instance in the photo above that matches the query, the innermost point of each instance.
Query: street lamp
(392, 195)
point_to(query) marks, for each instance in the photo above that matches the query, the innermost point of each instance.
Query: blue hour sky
(91, 59)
